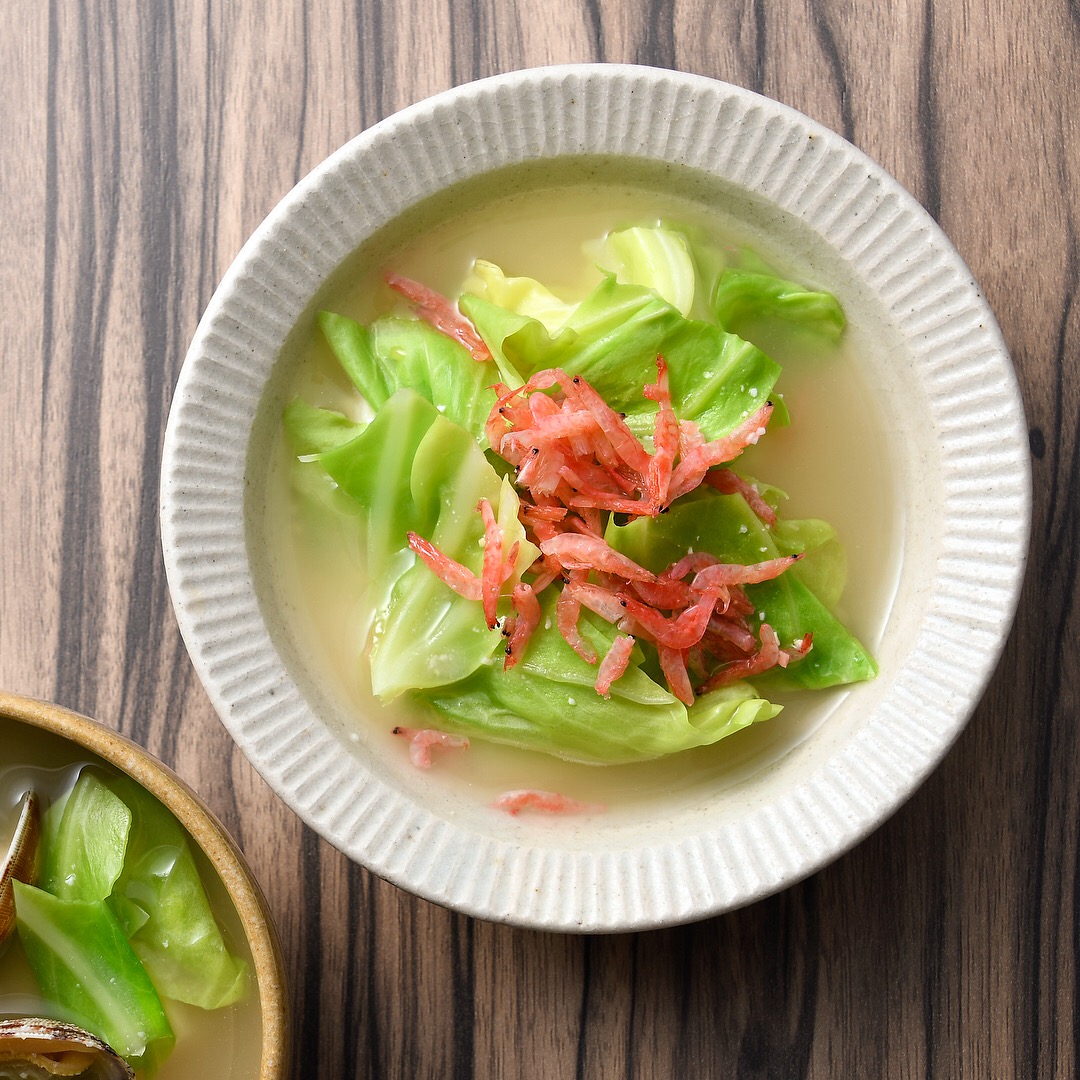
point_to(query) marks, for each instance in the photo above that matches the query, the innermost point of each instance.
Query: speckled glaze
(954, 419)
(224, 856)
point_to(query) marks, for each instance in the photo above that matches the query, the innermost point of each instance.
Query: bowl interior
(42, 743)
(879, 438)
(929, 368)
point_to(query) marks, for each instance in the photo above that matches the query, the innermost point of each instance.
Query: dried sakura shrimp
(577, 460)
(436, 309)
(497, 569)
(547, 802)
(568, 443)
(421, 740)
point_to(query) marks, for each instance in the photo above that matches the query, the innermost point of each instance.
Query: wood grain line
(162, 235)
(305, 61)
(832, 55)
(1062, 513)
(594, 17)
(658, 47)
(463, 982)
(933, 957)
(370, 34)
(582, 1060)
(761, 50)
(1056, 567)
(78, 639)
(309, 1004)
(213, 123)
(929, 132)
(361, 1036)
(50, 224)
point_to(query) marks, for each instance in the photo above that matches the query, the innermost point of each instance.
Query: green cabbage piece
(654, 257)
(83, 961)
(85, 853)
(116, 843)
(613, 339)
(393, 353)
(167, 912)
(314, 431)
(414, 470)
(726, 527)
(823, 570)
(524, 295)
(742, 295)
(548, 702)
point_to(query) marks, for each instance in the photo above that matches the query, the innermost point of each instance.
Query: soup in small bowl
(484, 439)
(133, 938)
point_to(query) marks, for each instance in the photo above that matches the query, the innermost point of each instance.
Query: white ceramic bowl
(957, 438)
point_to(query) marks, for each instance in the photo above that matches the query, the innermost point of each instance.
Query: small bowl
(938, 372)
(79, 740)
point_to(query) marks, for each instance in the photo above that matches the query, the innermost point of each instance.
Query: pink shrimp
(459, 578)
(667, 595)
(690, 563)
(673, 665)
(578, 552)
(680, 632)
(598, 599)
(665, 439)
(541, 472)
(696, 463)
(591, 496)
(441, 313)
(526, 620)
(690, 437)
(560, 424)
(768, 656)
(567, 613)
(614, 664)
(421, 740)
(491, 576)
(546, 571)
(797, 651)
(732, 631)
(590, 521)
(543, 407)
(710, 577)
(730, 483)
(622, 439)
(544, 513)
(547, 802)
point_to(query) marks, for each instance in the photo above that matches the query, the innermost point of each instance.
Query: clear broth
(834, 460)
(223, 1042)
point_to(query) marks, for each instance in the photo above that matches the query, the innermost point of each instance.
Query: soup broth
(225, 1042)
(834, 461)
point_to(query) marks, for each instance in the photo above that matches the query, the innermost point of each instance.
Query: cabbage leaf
(726, 527)
(548, 702)
(741, 294)
(166, 911)
(414, 470)
(83, 962)
(393, 353)
(523, 295)
(654, 257)
(85, 856)
(612, 340)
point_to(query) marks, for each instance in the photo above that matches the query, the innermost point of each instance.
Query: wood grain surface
(141, 141)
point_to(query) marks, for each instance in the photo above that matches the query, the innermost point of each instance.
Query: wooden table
(143, 140)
